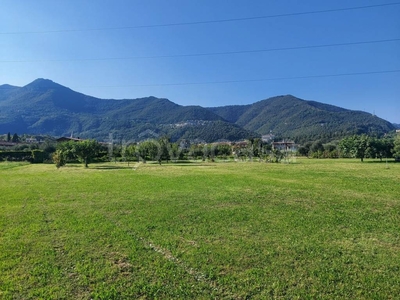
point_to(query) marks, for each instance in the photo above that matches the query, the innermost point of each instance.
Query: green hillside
(45, 107)
(291, 117)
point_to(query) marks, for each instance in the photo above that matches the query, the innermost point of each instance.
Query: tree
(86, 150)
(379, 148)
(276, 155)
(304, 150)
(15, 138)
(130, 152)
(355, 146)
(59, 158)
(8, 137)
(196, 151)
(346, 145)
(317, 148)
(175, 152)
(360, 146)
(396, 148)
(67, 149)
(149, 150)
(224, 150)
(165, 148)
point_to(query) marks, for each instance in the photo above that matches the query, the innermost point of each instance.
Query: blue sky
(54, 40)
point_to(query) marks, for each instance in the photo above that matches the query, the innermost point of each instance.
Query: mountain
(397, 126)
(291, 117)
(45, 107)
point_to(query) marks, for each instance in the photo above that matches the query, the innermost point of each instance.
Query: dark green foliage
(304, 150)
(380, 148)
(15, 155)
(149, 150)
(396, 148)
(196, 151)
(15, 138)
(362, 146)
(38, 156)
(85, 151)
(223, 150)
(8, 137)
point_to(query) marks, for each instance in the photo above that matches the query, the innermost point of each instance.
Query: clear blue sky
(48, 39)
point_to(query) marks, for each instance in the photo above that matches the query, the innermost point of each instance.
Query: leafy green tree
(175, 152)
(360, 146)
(396, 148)
(355, 146)
(196, 151)
(223, 150)
(165, 148)
(86, 150)
(149, 150)
(67, 149)
(304, 150)
(317, 148)
(130, 152)
(346, 147)
(380, 148)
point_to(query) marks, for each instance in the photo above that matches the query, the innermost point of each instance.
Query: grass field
(312, 229)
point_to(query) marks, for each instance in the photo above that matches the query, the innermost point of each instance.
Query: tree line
(163, 150)
(356, 146)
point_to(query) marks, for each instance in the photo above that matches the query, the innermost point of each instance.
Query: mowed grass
(312, 229)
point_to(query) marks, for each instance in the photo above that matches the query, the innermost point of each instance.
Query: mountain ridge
(46, 107)
(290, 117)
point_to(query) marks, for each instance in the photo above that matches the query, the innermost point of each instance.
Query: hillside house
(285, 146)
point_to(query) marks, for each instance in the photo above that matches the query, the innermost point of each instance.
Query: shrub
(59, 158)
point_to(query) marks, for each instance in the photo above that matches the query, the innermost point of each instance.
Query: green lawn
(312, 229)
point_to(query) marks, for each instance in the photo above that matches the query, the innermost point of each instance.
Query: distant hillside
(397, 126)
(45, 107)
(291, 117)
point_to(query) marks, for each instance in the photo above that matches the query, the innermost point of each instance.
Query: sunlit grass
(315, 228)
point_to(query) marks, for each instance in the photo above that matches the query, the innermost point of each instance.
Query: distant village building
(267, 137)
(285, 146)
(33, 140)
(67, 139)
(7, 144)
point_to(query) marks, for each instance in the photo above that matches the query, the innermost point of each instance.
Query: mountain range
(45, 107)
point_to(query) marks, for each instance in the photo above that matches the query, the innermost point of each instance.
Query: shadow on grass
(390, 161)
(111, 167)
(186, 165)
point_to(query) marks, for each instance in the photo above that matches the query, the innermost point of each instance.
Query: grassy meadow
(311, 229)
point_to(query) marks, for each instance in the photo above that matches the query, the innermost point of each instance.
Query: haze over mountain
(45, 107)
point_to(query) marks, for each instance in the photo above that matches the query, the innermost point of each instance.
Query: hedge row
(34, 156)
